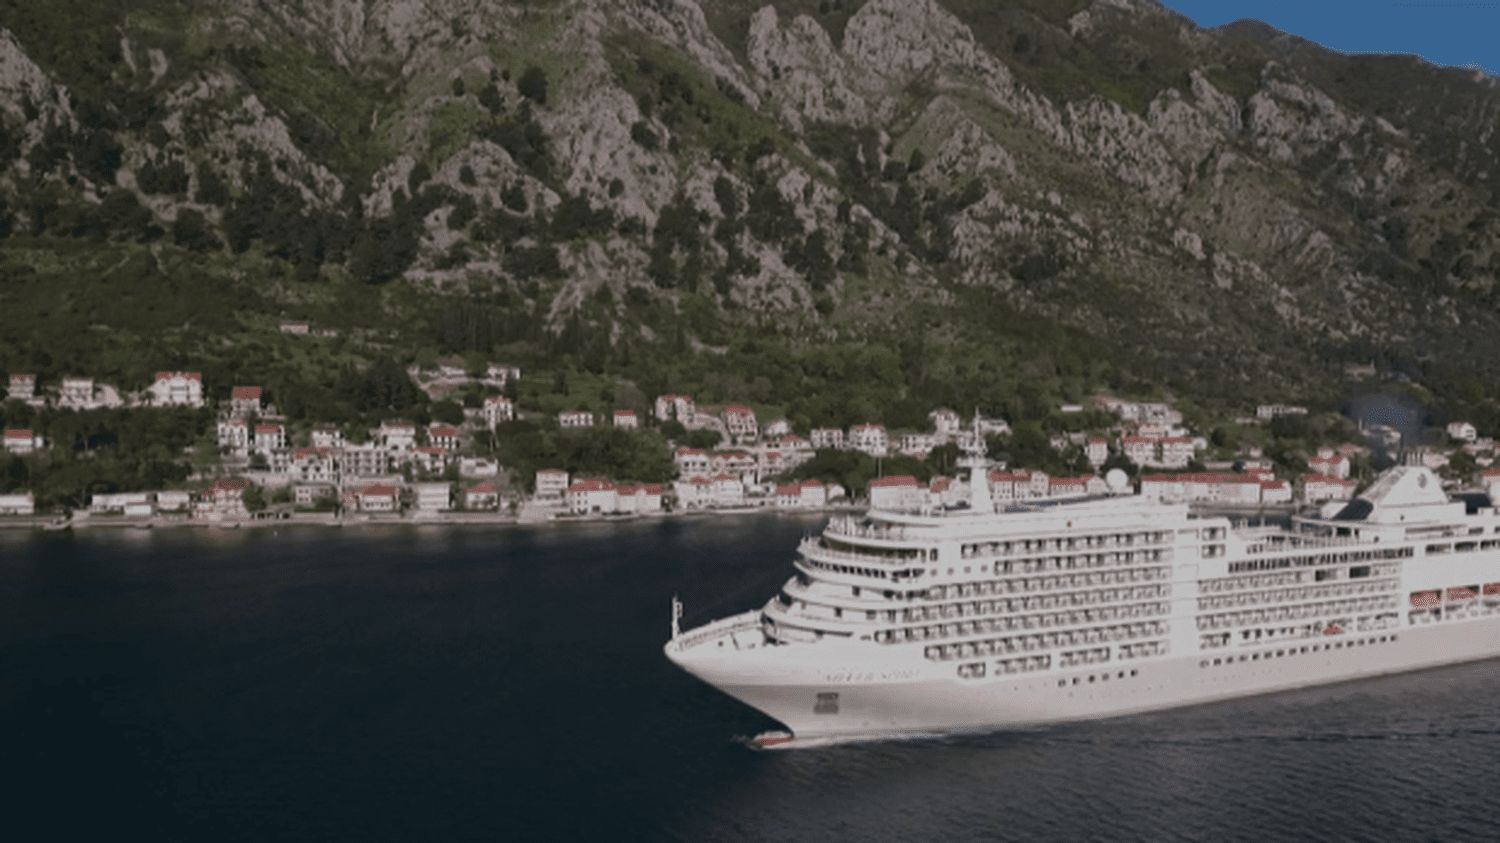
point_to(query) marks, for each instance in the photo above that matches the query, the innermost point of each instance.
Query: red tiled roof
(1312, 479)
(192, 376)
(445, 430)
(624, 414)
(245, 393)
(788, 489)
(267, 428)
(18, 433)
(589, 485)
(738, 410)
(896, 481)
(485, 488)
(304, 453)
(690, 452)
(378, 490)
(22, 378)
(550, 471)
(497, 399)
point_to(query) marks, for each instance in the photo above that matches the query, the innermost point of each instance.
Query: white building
(870, 439)
(1096, 450)
(691, 462)
(777, 428)
(21, 503)
(501, 374)
(498, 409)
(639, 499)
(1317, 488)
(269, 437)
(740, 422)
(482, 496)
(552, 484)
(234, 436)
(1266, 412)
(443, 436)
(244, 401)
(327, 437)
(1462, 431)
(177, 389)
(575, 419)
(1329, 464)
(626, 420)
(896, 493)
(366, 460)
(945, 422)
(77, 394)
(433, 497)
(22, 441)
(378, 497)
(592, 496)
(918, 445)
(314, 465)
(827, 438)
(22, 387)
(396, 435)
(679, 407)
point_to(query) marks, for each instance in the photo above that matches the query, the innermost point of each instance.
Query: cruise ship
(989, 616)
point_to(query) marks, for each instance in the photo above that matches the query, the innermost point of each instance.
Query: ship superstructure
(983, 616)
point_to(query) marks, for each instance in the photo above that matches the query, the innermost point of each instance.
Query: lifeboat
(1461, 595)
(1426, 599)
(771, 740)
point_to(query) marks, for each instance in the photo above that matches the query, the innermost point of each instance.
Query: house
(640, 499)
(176, 389)
(777, 429)
(433, 497)
(295, 328)
(591, 495)
(551, 484)
(945, 422)
(726, 490)
(22, 441)
(482, 496)
(814, 494)
(18, 503)
(807, 494)
(378, 497)
(895, 493)
(118, 503)
(1010, 485)
(269, 437)
(314, 465)
(1176, 451)
(1140, 450)
(788, 495)
(679, 407)
(432, 459)
(1096, 450)
(827, 438)
(1489, 480)
(1462, 431)
(1329, 464)
(1070, 409)
(501, 374)
(1317, 488)
(626, 420)
(693, 493)
(396, 435)
(1266, 412)
(224, 499)
(478, 467)
(740, 422)
(575, 419)
(327, 437)
(22, 387)
(244, 401)
(234, 436)
(76, 394)
(691, 462)
(918, 445)
(308, 495)
(1275, 491)
(870, 439)
(497, 409)
(1065, 487)
(442, 436)
(738, 463)
(365, 460)
(173, 500)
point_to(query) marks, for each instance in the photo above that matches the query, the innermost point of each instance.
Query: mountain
(949, 197)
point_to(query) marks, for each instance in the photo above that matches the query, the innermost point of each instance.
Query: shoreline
(443, 519)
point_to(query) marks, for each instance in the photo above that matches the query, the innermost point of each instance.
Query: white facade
(176, 389)
(573, 419)
(626, 420)
(551, 484)
(18, 504)
(498, 409)
(433, 497)
(870, 439)
(827, 438)
(1462, 431)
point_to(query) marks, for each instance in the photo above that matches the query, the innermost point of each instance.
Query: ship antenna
(676, 617)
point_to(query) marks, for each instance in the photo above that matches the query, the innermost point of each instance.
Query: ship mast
(976, 461)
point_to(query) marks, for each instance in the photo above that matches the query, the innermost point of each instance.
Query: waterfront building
(1317, 488)
(639, 499)
(17, 503)
(591, 495)
(482, 496)
(551, 484)
(432, 497)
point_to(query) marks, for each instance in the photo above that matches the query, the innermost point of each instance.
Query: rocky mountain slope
(1230, 210)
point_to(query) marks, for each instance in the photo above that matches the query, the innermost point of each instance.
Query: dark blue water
(430, 684)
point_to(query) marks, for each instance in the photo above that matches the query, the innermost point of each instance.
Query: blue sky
(1460, 33)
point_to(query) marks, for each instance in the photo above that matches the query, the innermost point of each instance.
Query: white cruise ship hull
(938, 705)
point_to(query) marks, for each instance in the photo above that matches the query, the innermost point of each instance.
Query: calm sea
(508, 684)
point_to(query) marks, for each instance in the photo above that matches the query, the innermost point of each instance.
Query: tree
(255, 499)
(191, 231)
(533, 84)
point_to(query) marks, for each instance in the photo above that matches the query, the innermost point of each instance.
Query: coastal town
(724, 458)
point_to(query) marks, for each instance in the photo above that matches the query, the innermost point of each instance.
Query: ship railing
(847, 526)
(813, 547)
(717, 629)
